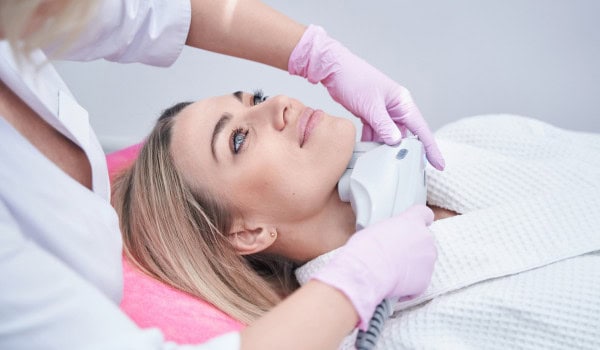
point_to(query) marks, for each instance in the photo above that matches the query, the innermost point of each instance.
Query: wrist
(314, 301)
(355, 281)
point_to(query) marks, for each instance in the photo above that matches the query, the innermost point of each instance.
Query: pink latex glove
(384, 107)
(391, 259)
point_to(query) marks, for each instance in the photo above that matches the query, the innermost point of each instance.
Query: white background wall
(538, 58)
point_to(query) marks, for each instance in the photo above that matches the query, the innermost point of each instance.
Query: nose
(275, 109)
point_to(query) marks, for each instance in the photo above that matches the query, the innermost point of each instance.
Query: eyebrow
(238, 95)
(225, 118)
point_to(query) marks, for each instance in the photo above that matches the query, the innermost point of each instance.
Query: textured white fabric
(519, 267)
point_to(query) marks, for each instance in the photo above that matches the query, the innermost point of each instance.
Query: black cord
(366, 340)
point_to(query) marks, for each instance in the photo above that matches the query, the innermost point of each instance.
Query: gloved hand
(391, 259)
(383, 106)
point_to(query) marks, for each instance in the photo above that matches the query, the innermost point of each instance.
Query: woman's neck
(328, 230)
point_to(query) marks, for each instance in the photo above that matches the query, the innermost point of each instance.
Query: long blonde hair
(60, 23)
(179, 236)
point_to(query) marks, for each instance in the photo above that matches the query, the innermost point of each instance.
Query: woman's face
(276, 161)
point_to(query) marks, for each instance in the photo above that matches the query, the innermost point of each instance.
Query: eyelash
(258, 97)
(238, 135)
(236, 145)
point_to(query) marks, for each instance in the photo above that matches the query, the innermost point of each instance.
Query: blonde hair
(179, 235)
(58, 22)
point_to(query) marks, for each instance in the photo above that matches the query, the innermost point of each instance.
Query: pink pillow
(181, 317)
(119, 160)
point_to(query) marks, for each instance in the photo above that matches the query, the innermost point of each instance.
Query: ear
(251, 239)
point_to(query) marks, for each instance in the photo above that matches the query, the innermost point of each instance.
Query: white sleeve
(145, 31)
(45, 305)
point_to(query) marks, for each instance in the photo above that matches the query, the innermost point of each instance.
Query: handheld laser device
(382, 181)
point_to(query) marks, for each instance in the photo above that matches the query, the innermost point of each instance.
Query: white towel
(517, 269)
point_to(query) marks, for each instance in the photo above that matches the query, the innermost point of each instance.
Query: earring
(273, 234)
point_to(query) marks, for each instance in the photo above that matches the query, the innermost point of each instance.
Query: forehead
(210, 108)
(192, 133)
(200, 117)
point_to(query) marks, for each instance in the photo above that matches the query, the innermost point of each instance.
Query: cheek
(280, 184)
(261, 180)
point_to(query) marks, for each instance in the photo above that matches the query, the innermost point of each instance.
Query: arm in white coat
(154, 31)
(145, 31)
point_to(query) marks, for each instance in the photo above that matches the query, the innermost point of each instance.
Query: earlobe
(248, 241)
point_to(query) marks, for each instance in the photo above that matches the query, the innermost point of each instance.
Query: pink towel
(119, 160)
(181, 317)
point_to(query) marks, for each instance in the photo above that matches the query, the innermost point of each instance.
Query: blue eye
(238, 137)
(258, 97)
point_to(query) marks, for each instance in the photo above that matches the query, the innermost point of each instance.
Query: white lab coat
(60, 244)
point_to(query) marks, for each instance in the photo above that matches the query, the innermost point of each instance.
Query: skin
(271, 178)
(244, 28)
(314, 301)
(50, 142)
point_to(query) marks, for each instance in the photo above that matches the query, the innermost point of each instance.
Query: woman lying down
(518, 229)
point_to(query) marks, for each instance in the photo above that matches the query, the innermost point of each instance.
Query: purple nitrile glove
(391, 259)
(383, 106)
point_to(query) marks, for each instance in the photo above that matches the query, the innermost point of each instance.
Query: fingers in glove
(419, 212)
(417, 125)
(367, 133)
(384, 127)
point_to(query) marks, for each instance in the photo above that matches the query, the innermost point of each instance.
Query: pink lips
(306, 124)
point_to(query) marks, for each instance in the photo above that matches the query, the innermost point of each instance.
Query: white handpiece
(382, 181)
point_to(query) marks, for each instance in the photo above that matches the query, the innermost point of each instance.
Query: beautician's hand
(383, 106)
(391, 259)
